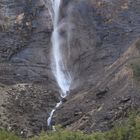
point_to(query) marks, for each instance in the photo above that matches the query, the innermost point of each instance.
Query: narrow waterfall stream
(60, 71)
(52, 112)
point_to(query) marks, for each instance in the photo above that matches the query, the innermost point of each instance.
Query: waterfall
(52, 112)
(59, 68)
(60, 71)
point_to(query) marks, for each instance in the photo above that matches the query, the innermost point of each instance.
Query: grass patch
(128, 130)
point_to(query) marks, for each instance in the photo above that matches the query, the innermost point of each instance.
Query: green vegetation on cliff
(128, 130)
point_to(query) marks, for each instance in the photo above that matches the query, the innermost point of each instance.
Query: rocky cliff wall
(100, 36)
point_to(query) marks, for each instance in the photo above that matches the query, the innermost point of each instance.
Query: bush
(4, 135)
(129, 130)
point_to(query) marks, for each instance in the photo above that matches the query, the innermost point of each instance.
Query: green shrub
(4, 135)
(128, 130)
(62, 134)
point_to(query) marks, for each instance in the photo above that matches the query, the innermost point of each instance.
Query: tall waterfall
(59, 68)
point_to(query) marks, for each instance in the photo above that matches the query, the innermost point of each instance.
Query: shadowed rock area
(101, 50)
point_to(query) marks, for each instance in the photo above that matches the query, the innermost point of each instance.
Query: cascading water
(59, 68)
(63, 79)
(52, 112)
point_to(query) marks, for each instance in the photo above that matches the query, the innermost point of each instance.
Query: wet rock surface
(101, 38)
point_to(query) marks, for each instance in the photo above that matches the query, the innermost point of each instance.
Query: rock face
(107, 89)
(99, 46)
(26, 82)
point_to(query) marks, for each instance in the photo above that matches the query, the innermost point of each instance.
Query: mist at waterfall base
(59, 66)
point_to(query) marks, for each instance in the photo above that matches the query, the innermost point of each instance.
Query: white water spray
(59, 68)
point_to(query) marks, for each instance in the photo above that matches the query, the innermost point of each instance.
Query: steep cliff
(26, 83)
(105, 69)
(102, 38)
